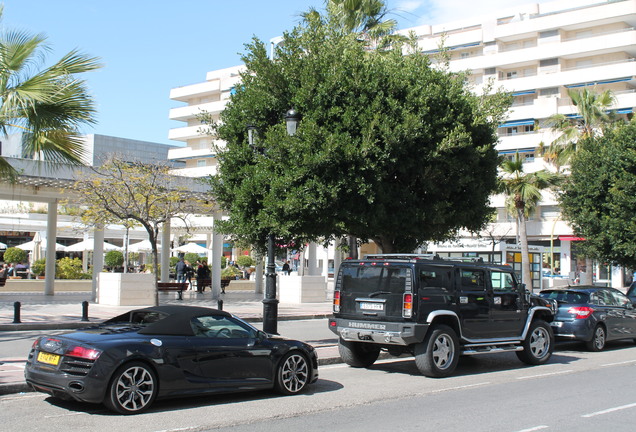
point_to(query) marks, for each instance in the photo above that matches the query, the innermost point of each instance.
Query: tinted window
(370, 279)
(434, 277)
(566, 296)
(603, 298)
(620, 299)
(219, 327)
(472, 280)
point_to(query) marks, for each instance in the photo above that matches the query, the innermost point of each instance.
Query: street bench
(173, 286)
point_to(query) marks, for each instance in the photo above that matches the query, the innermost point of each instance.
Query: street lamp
(270, 302)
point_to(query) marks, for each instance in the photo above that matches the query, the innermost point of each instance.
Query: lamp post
(270, 302)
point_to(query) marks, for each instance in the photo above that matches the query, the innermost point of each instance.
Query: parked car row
(593, 315)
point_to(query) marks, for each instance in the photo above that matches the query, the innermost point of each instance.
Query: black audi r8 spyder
(166, 351)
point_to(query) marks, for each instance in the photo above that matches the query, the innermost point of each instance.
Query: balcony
(184, 153)
(196, 172)
(186, 93)
(192, 111)
(185, 133)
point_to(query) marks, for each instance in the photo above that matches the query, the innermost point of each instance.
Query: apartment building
(536, 52)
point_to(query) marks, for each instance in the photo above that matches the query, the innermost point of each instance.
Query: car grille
(76, 366)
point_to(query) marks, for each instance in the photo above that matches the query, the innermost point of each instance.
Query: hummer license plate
(372, 306)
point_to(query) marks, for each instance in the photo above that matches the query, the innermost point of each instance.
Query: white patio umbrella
(28, 246)
(142, 246)
(191, 248)
(3, 245)
(87, 245)
(37, 247)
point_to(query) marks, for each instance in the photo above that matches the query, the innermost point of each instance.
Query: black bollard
(219, 305)
(16, 313)
(84, 310)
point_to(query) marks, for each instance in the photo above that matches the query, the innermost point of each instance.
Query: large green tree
(524, 191)
(388, 148)
(47, 104)
(599, 197)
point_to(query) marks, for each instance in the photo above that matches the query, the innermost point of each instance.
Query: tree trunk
(526, 276)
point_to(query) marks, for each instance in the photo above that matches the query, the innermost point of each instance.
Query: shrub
(245, 261)
(230, 272)
(68, 268)
(223, 261)
(15, 255)
(173, 262)
(191, 257)
(114, 259)
(38, 267)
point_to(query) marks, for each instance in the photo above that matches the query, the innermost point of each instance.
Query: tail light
(83, 352)
(336, 301)
(407, 305)
(580, 312)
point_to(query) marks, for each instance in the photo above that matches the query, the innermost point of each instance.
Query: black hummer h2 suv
(436, 310)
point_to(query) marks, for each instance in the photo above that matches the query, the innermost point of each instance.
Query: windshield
(562, 296)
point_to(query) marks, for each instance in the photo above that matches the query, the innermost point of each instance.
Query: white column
(165, 252)
(215, 264)
(258, 275)
(98, 258)
(618, 281)
(566, 258)
(51, 240)
(312, 261)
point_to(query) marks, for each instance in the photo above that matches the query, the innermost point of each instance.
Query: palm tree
(523, 191)
(46, 104)
(366, 18)
(593, 109)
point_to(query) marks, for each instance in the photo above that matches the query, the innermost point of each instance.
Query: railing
(593, 65)
(571, 38)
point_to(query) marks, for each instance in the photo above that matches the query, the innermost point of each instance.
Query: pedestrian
(286, 268)
(203, 276)
(180, 270)
(189, 272)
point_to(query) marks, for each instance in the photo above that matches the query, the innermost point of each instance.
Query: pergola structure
(49, 183)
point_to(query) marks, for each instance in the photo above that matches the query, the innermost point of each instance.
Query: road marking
(459, 387)
(609, 410)
(179, 429)
(536, 428)
(544, 375)
(619, 363)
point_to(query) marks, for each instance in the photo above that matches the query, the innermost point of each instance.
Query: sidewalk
(64, 311)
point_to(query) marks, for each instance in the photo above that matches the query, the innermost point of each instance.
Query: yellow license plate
(52, 359)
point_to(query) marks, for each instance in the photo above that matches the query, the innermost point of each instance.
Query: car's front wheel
(293, 374)
(358, 354)
(538, 344)
(437, 356)
(132, 389)
(598, 339)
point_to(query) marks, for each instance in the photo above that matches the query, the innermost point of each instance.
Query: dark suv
(436, 310)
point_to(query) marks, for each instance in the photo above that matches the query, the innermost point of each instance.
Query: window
(490, 71)
(548, 34)
(549, 62)
(602, 298)
(222, 327)
(201, 163)
(502, 281)
(552, 91)
(620, 299)
(472, 280)
(434, 277)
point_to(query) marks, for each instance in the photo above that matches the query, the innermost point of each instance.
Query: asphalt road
(576, 390)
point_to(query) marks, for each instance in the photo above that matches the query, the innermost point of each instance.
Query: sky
(148, 47)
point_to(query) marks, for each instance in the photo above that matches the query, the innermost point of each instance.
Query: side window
(603, 298)
(502, 281)
(472, 280)
(213, 326)
(620, 299)
(434, 278)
